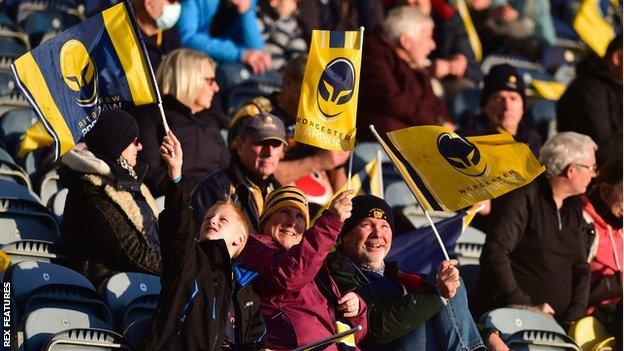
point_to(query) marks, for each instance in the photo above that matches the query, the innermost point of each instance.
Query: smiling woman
(300, 301)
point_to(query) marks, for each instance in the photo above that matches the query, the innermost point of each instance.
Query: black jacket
(161, 44)
(592, 105)
(197, 288)
(528, 260)
(237, 182)
(110, 226)
(204, 148)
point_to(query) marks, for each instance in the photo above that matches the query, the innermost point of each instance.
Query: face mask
(169, 15)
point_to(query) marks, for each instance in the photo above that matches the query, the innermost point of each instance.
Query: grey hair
(406, 20)
(564, 149)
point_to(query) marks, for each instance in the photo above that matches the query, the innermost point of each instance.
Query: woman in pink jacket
(603, 207)
(300, 302)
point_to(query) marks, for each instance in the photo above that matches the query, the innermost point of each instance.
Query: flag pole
(390, 154)
(350, 170)
(380, 171)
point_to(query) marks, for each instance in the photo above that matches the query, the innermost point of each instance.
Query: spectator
(395, 88)
(283, 37)
(503, 102)
(302, 164)
(603, 208)
(453, 61)
(109, 221)
(405, 312)
(156, 20)
(226, 30)
(202, 284)
(249, 177)
(592, 103)
(300, 301)
(520, 26)
(339, 15)
(535, 251)
(187, 80)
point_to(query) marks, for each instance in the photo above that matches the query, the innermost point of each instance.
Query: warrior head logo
(335, 88)
(79, 72)
(461, 154)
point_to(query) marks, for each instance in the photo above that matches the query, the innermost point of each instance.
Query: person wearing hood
(109, 221)
(592, 103)
(156, 20)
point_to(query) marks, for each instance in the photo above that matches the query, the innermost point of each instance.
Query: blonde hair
(243, 220)
(179, 74)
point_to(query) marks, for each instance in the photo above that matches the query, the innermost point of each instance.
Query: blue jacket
(194, 28)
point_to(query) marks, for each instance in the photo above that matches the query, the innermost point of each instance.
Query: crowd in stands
(257, 245)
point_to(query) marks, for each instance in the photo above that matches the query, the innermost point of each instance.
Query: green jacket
(387, 320)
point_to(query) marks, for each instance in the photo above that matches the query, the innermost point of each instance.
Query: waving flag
(329, 93)
(448, 172)
(94, 66)
(592, 25)
(418, 251)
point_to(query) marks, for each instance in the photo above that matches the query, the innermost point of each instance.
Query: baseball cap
(263, 126)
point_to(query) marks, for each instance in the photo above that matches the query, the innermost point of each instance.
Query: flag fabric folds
(329, 93)
(448, 172)
(94, 66)
(419, 252)
(593, 27)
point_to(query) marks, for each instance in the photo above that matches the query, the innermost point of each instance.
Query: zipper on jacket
(182, 316)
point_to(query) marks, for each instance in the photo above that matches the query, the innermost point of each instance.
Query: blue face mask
(169, 15)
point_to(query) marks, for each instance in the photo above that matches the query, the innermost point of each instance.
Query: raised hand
(171, 153)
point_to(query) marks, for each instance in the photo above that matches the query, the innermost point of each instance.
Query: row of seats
(53, 305)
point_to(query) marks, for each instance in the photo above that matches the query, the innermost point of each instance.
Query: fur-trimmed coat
(108, 227)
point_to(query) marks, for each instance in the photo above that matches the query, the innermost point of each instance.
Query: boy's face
(223, 222)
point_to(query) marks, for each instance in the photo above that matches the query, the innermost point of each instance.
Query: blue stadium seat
(13, 41)
(13, 125)
(12, 172)
(39, 18)
(87, 339)
(34, 250)
(27, 277)
(12, 101)
(49, 186)
(131, 296)
(527, 330)
(40, 326)
(23, 216)
(58, 203)
(7, 84)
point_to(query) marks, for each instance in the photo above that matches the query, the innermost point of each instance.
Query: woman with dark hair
(109, 221)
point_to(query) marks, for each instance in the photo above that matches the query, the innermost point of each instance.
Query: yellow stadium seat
(605, 345)
(588, 332)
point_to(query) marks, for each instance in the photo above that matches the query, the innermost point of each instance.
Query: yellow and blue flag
(95, 66)
(329, 93)
(592, 25)
(419, 252)
(448, 172)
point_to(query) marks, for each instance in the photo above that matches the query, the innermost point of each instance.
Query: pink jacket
(294, 308)
(606, 251)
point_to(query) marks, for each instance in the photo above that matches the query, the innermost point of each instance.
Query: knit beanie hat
(111, 134)
(502, 77)
(287, 196)
(365, 206)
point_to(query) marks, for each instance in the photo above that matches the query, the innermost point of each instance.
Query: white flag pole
(380, 171)
(350, 170)
(392, 158)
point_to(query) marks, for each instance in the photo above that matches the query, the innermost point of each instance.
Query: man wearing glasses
(535, 253)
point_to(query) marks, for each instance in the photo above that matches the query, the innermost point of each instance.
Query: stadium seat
(34, 250)
(38, 18)
(40, 326)
(12, 101)
(7, 84)
(245, 91)
(13, 125)
(49, 186)
(12, 172)
(121, 292)
(587, 332)
(13, 41)
(58, 203)
(469, 245)
(23, 217)
(87, 339)
(511, 320)
(540, 340)
(26, 277)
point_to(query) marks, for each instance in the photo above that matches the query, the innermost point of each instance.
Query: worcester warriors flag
(447, 172)
(94, 66)
(328, 102)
